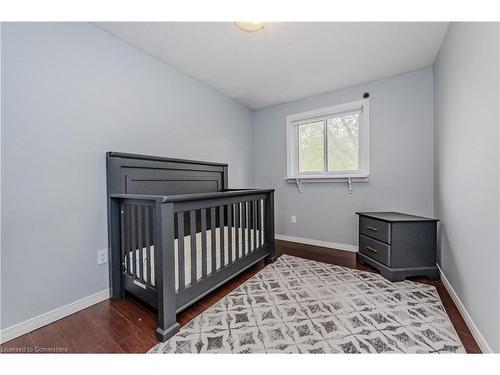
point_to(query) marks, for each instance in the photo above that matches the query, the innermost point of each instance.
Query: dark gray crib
(176, 232)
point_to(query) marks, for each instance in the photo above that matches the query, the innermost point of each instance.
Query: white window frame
(293, 121)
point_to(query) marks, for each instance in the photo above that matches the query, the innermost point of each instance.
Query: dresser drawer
(377, 229)
(374, 249)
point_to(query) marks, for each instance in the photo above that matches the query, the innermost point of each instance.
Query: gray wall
(71, 92)
(467, 169)
(401, 137)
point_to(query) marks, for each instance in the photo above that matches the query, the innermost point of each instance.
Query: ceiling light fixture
(250, 27)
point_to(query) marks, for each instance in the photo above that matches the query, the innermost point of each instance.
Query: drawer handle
(371, 249)
(372, 228)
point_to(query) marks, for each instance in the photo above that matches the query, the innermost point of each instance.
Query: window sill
(312, 178)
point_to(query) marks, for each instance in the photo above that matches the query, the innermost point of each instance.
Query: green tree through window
(343, 143)
(312, 147)
(341, 148)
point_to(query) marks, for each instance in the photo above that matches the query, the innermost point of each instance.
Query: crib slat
(261, 221)
(230, 256)
(192, 234)
(203, 243)
(259, 236)
(264, 221)
(237, 227)
(249, 227)
(140, 241)
(254, 217)
(221, 235)
(147, 245)
(212, 237)
(152, 253)
(122, 236)
(244, 227)
(128, 213)
(134, 241)
(181, 269)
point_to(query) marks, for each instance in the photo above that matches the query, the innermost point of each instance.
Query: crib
(176, 232)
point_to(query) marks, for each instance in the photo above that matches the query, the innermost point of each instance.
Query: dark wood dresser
(398, 245)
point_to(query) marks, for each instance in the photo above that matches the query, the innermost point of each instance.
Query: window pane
(311, 147)
(343, 143)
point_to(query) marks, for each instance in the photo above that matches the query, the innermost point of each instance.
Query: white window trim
(364, 141)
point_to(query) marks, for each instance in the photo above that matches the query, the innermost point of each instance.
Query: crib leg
(270, 228)
(115, 243)
(165, 271)
(271, 258)
(167, 327)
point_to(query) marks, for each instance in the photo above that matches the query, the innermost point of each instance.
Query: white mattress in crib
(187, 254)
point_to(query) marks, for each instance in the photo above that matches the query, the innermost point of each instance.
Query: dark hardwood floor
(127, 326)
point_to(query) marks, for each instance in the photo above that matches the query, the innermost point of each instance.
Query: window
(329, 142)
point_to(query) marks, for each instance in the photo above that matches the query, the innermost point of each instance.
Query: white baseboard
(481, 341)
(308, 241)
(29, 325)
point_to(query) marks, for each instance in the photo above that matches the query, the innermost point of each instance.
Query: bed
(176, 232)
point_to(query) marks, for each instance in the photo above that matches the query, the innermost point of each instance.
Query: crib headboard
(155, 175)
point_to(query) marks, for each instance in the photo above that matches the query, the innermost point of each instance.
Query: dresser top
(395, 216)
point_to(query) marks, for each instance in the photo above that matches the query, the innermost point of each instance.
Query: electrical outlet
(102, 256)
(294, 219)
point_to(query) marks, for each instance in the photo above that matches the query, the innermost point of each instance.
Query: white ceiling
(286, 60)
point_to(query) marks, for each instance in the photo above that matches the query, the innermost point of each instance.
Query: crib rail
(172, 250)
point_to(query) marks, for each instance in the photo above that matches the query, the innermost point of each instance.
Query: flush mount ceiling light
(250, 27)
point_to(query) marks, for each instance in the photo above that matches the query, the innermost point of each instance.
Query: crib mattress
(187, 254)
